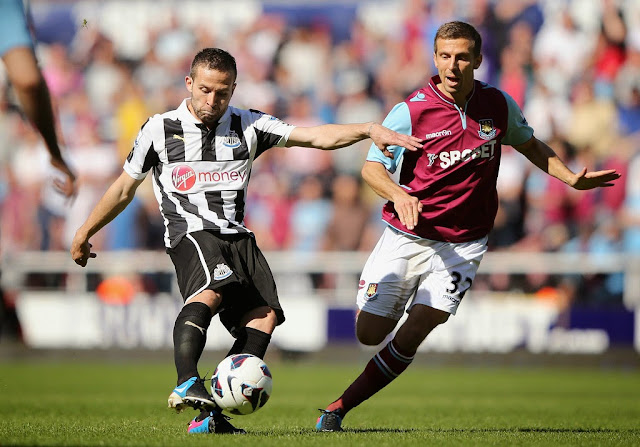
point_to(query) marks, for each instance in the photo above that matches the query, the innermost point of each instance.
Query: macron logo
(442, 133)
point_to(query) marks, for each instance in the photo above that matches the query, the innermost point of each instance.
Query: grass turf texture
(82, 403)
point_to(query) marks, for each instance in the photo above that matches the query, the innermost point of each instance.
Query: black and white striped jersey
(200, 176)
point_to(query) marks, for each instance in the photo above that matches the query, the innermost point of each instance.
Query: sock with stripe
(385, 366)
(189, 338)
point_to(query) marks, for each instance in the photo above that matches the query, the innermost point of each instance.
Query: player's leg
(252, 337)
(420, 322)
(388, 281)
(391, 361)
(447, 272)
(189, 339)
(254, 309)
(250, 311)
(196, 258)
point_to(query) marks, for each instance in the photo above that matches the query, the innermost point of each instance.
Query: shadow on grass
(307, 431)
(534, 430)
(492, 430)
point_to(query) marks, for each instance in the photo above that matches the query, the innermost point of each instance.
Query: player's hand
(596, 179)
(67, 186)
(384, 137)
(81, 251)
(408, 209)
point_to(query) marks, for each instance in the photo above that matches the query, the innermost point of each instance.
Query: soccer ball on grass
(241, 384)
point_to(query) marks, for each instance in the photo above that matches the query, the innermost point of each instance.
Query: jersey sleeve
(518, 130)
(398, 119)
(271, 131)
(143, 155)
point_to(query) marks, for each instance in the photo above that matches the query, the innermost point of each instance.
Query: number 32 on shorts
(459, 285)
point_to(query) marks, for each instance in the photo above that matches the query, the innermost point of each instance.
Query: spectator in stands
(627, 88)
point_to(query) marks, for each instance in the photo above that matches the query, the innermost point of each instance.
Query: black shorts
(230, 264)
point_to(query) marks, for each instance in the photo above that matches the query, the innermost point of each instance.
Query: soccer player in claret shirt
(439, 217)
(201, 155)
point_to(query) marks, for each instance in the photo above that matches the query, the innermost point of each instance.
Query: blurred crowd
(573, 66)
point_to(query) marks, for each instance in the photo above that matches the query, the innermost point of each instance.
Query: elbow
(364, 172)
(127, 196)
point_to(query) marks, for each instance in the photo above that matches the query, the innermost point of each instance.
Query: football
(241, 384)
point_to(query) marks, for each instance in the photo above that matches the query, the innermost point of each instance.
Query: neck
(459, 99)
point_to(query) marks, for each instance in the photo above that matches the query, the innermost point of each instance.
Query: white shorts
(436, 274)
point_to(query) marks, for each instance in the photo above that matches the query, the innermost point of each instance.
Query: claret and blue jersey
(455, 174)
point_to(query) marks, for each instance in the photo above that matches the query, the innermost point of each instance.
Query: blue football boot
(329, 421)
(191, 393)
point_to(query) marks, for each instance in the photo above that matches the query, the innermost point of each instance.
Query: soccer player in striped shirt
(200, 156)
(440, 214)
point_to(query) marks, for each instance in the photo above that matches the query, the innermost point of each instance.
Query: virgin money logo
(183, 178)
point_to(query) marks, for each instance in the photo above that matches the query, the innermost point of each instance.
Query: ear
(189, 83)
(477, 62)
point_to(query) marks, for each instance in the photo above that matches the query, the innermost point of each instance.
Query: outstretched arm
(112, 203)
(407, 206)
(32, 92)
(541, 155)
(335, 136)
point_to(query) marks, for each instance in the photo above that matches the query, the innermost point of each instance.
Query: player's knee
(370, 337)
(263, 318)
(371, 330)
(209, 297)
(440, 318)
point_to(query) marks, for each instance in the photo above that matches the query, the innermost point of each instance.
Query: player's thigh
(202, 262)
(452, 273)
(209, 297)
(389, 278)
(262, 318)
(254, 300)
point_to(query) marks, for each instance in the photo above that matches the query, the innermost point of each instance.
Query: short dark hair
(214, 59)
(459, 30)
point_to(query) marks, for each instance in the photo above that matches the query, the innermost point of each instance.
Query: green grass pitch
(124, 404)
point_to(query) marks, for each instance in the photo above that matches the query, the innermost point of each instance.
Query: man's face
(455, 61)
(211, 91)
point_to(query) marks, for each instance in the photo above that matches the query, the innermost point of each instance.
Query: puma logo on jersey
(178, 137)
